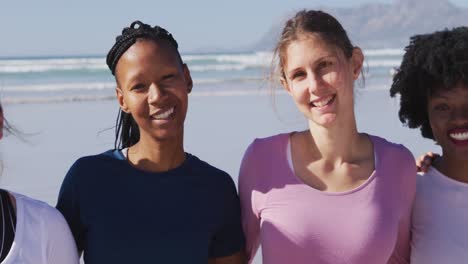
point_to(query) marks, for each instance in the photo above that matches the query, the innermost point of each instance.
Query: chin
(326, 120)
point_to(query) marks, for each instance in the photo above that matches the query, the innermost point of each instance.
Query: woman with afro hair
(433, 86)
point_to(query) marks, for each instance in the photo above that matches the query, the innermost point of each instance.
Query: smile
(461, 136)
(163, 115)
(322, 102)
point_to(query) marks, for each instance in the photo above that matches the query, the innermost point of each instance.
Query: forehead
(151, 48)
(146, 53)
(457, 92)
(308, 47)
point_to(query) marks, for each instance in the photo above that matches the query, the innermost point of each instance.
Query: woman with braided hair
(147, 200)
(31, 231)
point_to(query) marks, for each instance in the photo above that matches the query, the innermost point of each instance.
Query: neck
(453, 168)
(154, 155)
(338, 143)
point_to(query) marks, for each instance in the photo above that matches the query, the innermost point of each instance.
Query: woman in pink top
(329, 194)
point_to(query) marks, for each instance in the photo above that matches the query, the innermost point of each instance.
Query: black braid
(127, 132)
(130, 35)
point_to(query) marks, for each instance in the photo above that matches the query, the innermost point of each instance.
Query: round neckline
(19, 229)
(438, 175)
(119, 156)
(343, 193)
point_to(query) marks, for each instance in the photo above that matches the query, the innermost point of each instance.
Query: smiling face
(320, 78)
(153, 85)
(448, 117)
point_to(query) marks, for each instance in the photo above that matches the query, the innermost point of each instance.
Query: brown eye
(441, 107)
(297, 74)
(168, 77)
(324, 64)
(137, 87)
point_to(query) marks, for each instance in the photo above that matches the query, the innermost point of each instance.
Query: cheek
(300, 93)
(437, 123)
(136, 104)
(332, 78)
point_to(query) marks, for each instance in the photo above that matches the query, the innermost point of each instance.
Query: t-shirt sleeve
(229, 238)
(249, 214)
(60, 245)
(402, 251)
(68, 204)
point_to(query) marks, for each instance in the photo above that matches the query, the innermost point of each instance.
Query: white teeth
(459, 136)
(165, 114)
(323, 102)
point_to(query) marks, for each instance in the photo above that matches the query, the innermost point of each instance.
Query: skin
(448, 113)
(425, 161)
(151, 80)
(331, 155)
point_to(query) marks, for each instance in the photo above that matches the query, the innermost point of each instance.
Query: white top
(42, 235)
(440, 218)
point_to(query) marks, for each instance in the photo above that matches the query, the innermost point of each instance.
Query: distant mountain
(386, 25)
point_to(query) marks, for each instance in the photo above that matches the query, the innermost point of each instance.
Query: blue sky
(60, 27)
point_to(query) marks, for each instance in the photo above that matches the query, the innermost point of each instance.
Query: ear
(357, 60)
(120, 98)
(285, 84)
(188, 78)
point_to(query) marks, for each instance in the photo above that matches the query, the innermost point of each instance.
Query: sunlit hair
(432, 62)
(312, 22)
(127, 132)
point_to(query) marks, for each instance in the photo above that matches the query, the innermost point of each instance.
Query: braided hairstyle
(432, 62)
(127, 132)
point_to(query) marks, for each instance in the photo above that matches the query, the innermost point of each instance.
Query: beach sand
(218, 130)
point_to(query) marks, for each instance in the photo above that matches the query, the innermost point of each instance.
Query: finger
(427, 161)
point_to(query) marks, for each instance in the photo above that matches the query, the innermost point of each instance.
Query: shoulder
(397, 162)
(38, 211)
(92, 160)
(269, 143)
(211, 173)
(393, 150)
(429, 179)
(262, 161)
(262, 148)
(93, 164)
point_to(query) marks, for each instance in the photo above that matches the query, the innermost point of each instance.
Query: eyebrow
(439, 96)
(317, 61)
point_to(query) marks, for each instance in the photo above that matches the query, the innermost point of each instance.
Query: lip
(159, 112)
(325, 107)
(455, 141)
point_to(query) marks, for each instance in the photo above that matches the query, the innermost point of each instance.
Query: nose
(155, 94)
(460, 115)
(314, 82)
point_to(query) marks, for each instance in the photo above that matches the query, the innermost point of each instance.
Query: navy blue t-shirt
(120, 214)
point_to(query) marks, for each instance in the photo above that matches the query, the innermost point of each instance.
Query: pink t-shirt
(296, 223)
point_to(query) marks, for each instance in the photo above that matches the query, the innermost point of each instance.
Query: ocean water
(62, 79)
